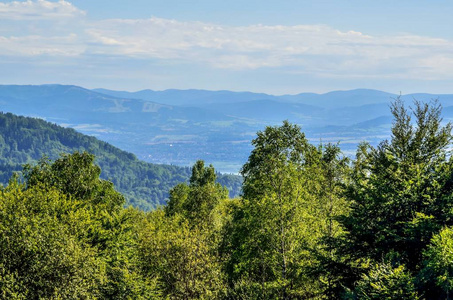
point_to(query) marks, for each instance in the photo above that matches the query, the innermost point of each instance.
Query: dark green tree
(438, 265)
(400, 193)
(385, 282)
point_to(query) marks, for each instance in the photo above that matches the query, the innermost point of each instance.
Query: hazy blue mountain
(59, 98)
(156, 132)
(447, 112)
(268, 110)
(444, 99)
(201, 97)
(334, 99)
(350, 115)
(375, 123)
(180, 126)
(337, 99)
(189, 97)
(74, 102)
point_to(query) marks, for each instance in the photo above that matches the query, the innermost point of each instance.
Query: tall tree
(178, 244)
(98, 213)
(197, 201)
(329, 176)
(401, 192)
(281, 218)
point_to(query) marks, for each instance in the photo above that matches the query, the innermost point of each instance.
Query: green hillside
(145, 185)
(310, 224)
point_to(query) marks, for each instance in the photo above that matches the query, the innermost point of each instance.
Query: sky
(277, 47)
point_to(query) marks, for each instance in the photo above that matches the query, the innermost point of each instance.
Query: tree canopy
(310, 224)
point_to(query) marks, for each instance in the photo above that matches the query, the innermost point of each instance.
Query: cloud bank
(43, 30)
(38, 10)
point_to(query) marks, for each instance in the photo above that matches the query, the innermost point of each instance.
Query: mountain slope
(145, 185)
(148, 129)
(189, 97)
(80, 104)
(200, 98)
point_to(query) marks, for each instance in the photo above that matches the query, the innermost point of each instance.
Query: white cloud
(38, 10)
(315, 49)
(35, 45)
(311, 47)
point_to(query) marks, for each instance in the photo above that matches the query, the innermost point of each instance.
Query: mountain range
(180, 126)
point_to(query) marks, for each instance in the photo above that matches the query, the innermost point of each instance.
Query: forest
(25, 140)
(311, 223)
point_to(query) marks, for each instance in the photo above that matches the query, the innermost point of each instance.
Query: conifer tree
(400, 192)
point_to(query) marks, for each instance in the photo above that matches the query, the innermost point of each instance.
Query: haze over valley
(180, 126)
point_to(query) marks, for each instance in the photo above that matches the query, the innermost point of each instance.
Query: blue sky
(277, 47)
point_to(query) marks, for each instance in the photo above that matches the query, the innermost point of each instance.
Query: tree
(385, 282)
(96, 217)
(178, 244)
(75, 175)
(330, 175)
(180, 257)
(43, 256)
(438, 264)
(400, 192)
(197, 201)
(277, 227)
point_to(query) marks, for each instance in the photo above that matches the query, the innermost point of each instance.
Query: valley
(181, 126)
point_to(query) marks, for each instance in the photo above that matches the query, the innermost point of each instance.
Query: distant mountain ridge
(334, 99)
(189, 97)
(203, 97)
(180, 126)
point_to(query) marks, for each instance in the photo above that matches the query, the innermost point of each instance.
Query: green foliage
(41, 255)
(178, 197)
(197, 201)
(400, 192)
(309, 225)
(75, 175)
(178, 245)
(385, 282)
(280, 230)
(180, 257)
(26, 140)
(438, 256)
(65, 235)
(268, 234)
(202, 175)
(330, 174)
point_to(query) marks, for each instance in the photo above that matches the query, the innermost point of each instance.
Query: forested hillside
(145, 185)
(311, 224)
